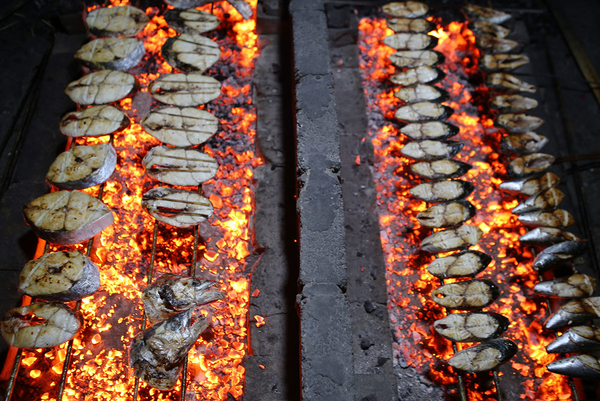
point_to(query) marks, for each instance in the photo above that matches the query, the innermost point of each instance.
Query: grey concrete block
(344, 57)
(267, 73)
(311, 55)
(272, 337)
(376, 388)
(371, 329)
(269, 129)
(272, 379)
(274, 284)
(306, 5)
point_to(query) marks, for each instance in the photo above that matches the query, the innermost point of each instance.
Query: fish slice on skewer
(181, 127)
(531, 185)
(441, 191)
(502, 62)
(440, 169)
(191, 52)
(421, 93)
(424, 74)
(116, 21)
(176, 166)
(547, 199)
(493, 44)
(417, 25)
(431, 150)
(576, 339)
(519, 123)
(489, 28)
(462, 264)
(446, 214)
(410, 41)
(240, 5)
(416, 58)
(111, 53)
(94, 121)
(406, 9)
(547, 236)
(525, 143)
(558, 218)
(429, 130)
(422, 112)
(101, 87)
(479, 13)
(506, 82)
(191, 20)
(452, 239)
(581, 366)
(177, 207)
(513, 103)
(185, 90)
(471, 326)
(527, 165)
(574, 312)
(466, 295)
(559, 254)
(574, 286)
(484, 357)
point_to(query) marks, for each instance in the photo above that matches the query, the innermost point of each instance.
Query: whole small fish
(548, 199)
(185, 90)
(191, 52)
(483, 357)
(519, 123)
(440, 169)
(423, 111)
(575, 286)
(447, 214)
(558, 218)
(513, 103)
(582, 366)
(527, 142)
(576, 339)
(479, 13)
(466, 295)
(547, 236)
(406, 9)
(191, 20)
(452, 239)
(463, 264)
(177, 166)
(531, 185)
(494, 44)
(507, 82)
(116, 21)
(410, 41)
(557, 255)
(574, 312)
(421, 93)
(111, 53)
(177, 207)
(416, 58)
(527, 165)
(94, 121)
(429, 130)
(102, 87)
(471, 326)
(183, 127)
(417, 25)
(441, 191)
(424, 74)
(489, 28)
(503, 62)
(431, 150)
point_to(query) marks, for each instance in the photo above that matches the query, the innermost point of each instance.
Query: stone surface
(268, 374)
(311, 56)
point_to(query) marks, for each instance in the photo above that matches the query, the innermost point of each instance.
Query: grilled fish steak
(527, 142)
(116, 21)
(548, 199)
(421, 93)
(452, 239)
(101, 87)
(176, 166)
(191, 52)
(442, 190)
(447, 214)
(169, 295)
(182, 127)
(177, 207)
(503, 62)
(575, 286)
(191, 20)
(573, 313)
(576, 339)
(494, 44)
(531, 185)
(431, 150)
(440, 169)
(185, 90)
(507, 82)
(519, 123)
(466, 295)
(527, 165)
(430, 130)
(406, 9)
(558, 218)
(67, 218)
(489, 28)
(582, 366)
(479, 13)
(419, 75)
(94, 121)
(111, 53)
(416, 58)
(40, 325)
(547, 236)
(83, 166)
(557, 255)
(483, 357)
(463, 264)
(423, 111)
(512, 103)
(418, 25)
(410, 41)
(64, 276)
(240, 5)
(471, 326)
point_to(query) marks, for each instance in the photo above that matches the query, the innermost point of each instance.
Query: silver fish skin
(452, 239)
(424, 74)
(157, 353)
(489, 28)
(416, 58)
(479, 13)
(111, 53)
(416, 25)
(40, 325)
(547, 236)
(547, 199)
(558, 218)
(503, 62)
(406, 9)
(528, 165)
(557, 255)
(101, 87)
(429, 130)
(527, 142)
(423, 111)
(61, 276)
(531, 185)
(176, 207)
(466, 295)
(575, 286)
(471, 326)
(94, 121)
(116, 21)
(447, 214)
(191, 20)
(574, 312)
(441, 191)
(580, 366)
(484, 357)
(170, 294)
(518, 123)
(181, 127)
(191, 52)
(410, 41)
(505, 82)
(177, 166)
(493, 44)
(185, 90)
(440, 169)
(576, 339)
(462, 264)
(421, 93)
(431, 150)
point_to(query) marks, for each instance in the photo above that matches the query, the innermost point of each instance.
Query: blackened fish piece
(574, 312)
(429, 130)
(582, 366)
(483, 357)
(423, 111)
(452, 239)
(440, 169)
(466, 295)
(463, 264)
(503, 62)
(548, 199)
(442, 190)
(471, 326)
(489, 28)
(527, 142)
(576, 339)
(531, 185)
(418, 25)
(447, 214)
(424, 74)
(519, 123)
(410, 41)
(421, 93)
(557, 255)
(527, 165)
(431, 150)
(513, 103)
(416, 58)
(505, 82)
(494, 44)
(406, 9)
(547, 236)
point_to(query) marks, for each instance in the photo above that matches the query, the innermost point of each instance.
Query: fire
(412, 312)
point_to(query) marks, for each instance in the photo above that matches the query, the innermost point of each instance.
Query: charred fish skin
(181, 127)
(518, 123)
(489, 28)
(177, 166)
(484, 357)
(410, 41)
(442, 191)
(422, 112)
(531, 185)
(415, 25)
(440, 169)
(431, 150)
(416, 58)
(547, 199)
(191, 20)
(576, 339)
(176, 207)
(61, 276)
(94, 121)
(581, 366)
(558, 218)
(557, 255)
(528, 165)
(116, 21)
(525, 143)
(111, 53)
(421, 93)
(430, 130)
(101, 87)
(466, 263)
(574, 312)
(420, 75)
(575, 286)
(466, 295)
(452, 239)
(509, 83)
(406, 9)
(447, 214)
(191, 52)
(471, 326)
(546, 236)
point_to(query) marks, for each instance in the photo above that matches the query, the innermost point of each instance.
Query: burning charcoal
(547, 236)
(421, 75)
(466, 295)
(479, 13)
(518, 123)
(483, 357)
(557, 219)
(471, 327)
(67, 218)
(463, 264)
(63, 276)
(94, 121)
(191, 20)
(417, 25)
(177, 207)
(507, 82)
(557, 255)
(440, 169)
(431, 150)
(40, 325)
(573, 313)
(429, 130)
(447, 214)
(452, 239)
(421, 93)
(169, 295)
(410, 41)
(423, 111)
(576, 339)
(185, 90)
(406, 9)
(493, 44)
(416, 58)
(531, 185)
(176, 166)
(101, 87)
(116, 21)
(111, 53)
(503, 62)
(157, 353)
(581, 366)
(191, 52)
(534, 163)
(83, 166)
(547, 199)
(575, 286)
(513, 103)
(442, 190)
(489, 28)
(182, 127)
(528, 142)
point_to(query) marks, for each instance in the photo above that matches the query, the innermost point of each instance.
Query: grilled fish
(452, 239)
(176, 166)
(463, 264)
(531, 185)
(429, 130)
(420, 75)
(83, 166)
(169, 295)
(191, 20)
(421, 93)
(67, 218)
(466, 295)
(483, 357)
(582, 366)
(574, 312)
(111, 53)
(40, 325)
(442, 190)
(410, 41)
(417, 25)
(547, 236)
(494, 44)
(184, 90)
(513, 103)
(489, 28)
(507, 82)
(528, 142)
(240, 5)
(519, 123)
(431, 150)
(191, 52)
(471, 327)
(576, 339)
(64, 276)
(447, 214)
(177, 207)
(479, 13)
(423, 111)
(547, 199)
(182, 127)
(94, 121)
(116, 21)
(416, 58)
(157, 353)
(559, 254)
(101, 87)
(406, 9)
(575, 286)
(527, 165)
(503, 62)
(557, 219)
(440, 169)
